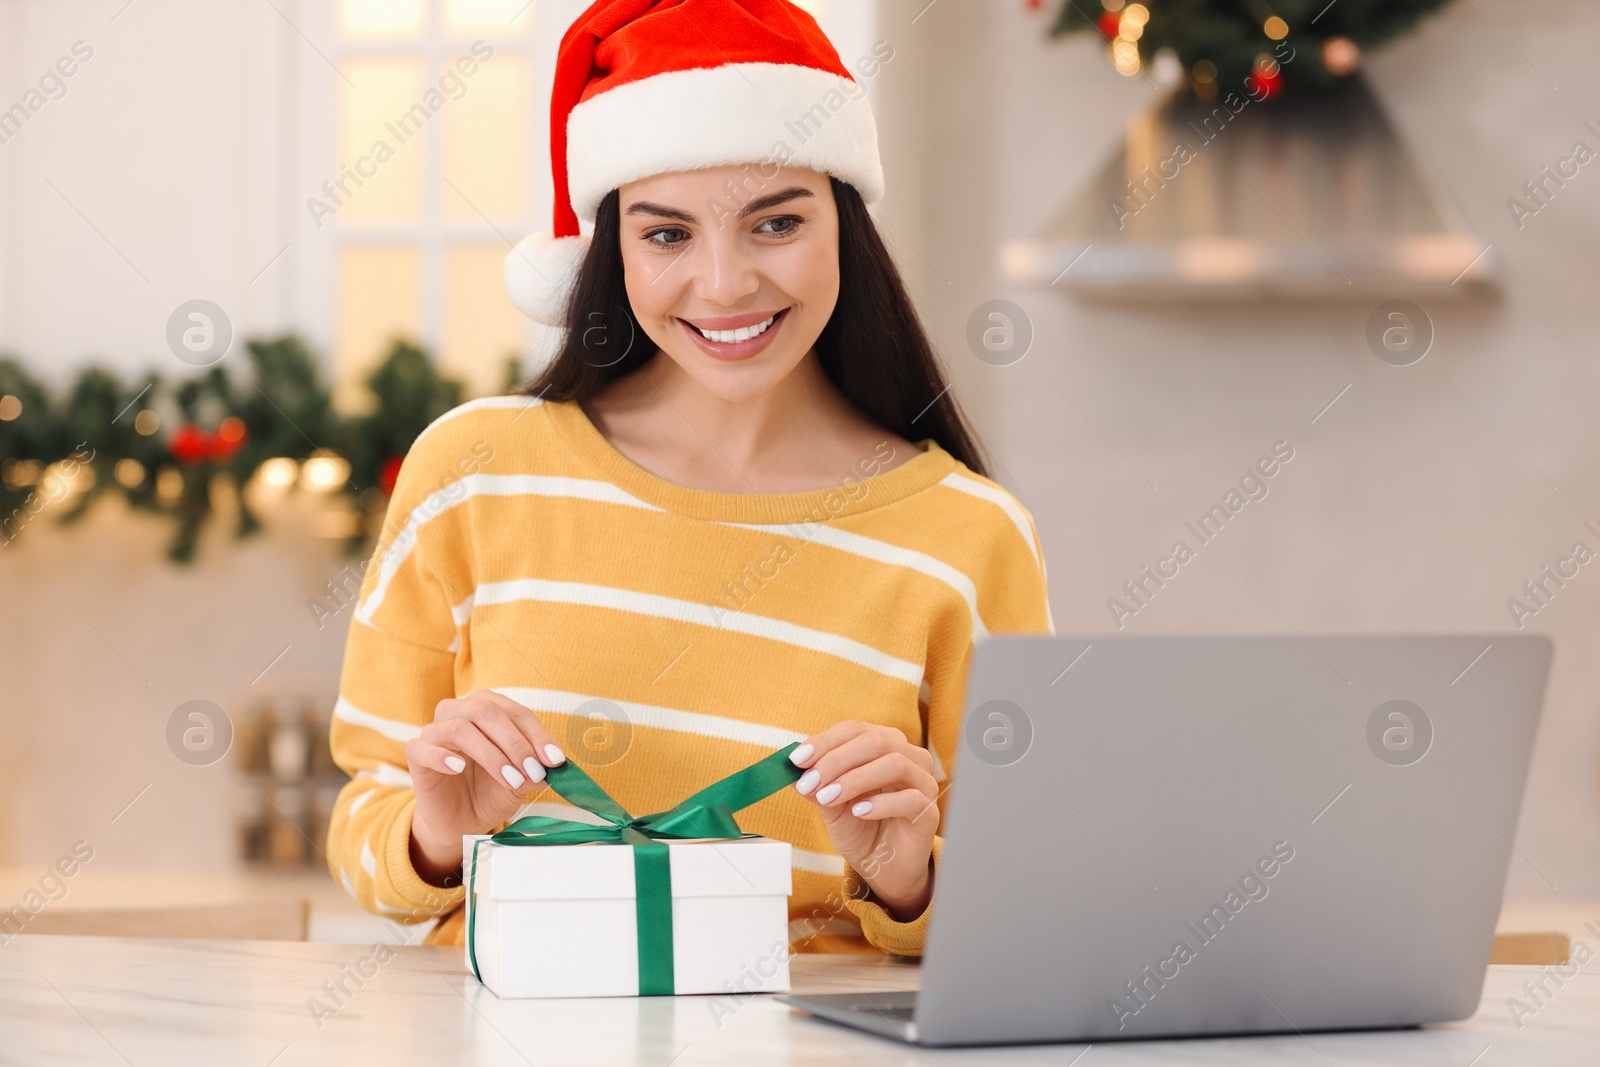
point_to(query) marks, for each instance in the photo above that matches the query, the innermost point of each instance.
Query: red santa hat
(645, 87)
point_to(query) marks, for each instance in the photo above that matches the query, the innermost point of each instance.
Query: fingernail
(512, 776)
(828, 794)
(808, 781)
(801, 754)
(534, 768)
(554, 754)
(861, 808)
(455, 763)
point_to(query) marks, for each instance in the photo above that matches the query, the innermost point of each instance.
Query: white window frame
(433, 232)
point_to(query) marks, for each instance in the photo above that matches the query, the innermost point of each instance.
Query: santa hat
(646, 87)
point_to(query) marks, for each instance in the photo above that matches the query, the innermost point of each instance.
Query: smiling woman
(833, 334)
(742, 378)
(791, 245)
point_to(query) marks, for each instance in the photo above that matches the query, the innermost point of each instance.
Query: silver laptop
(1175, 836)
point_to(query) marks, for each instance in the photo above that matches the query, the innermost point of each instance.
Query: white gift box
(560, 920)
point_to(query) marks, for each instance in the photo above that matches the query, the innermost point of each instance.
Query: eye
(666, 237)
(782, 226)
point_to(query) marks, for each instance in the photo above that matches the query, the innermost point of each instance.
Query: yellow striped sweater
(523, 553)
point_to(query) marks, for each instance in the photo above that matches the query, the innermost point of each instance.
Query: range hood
(1302, 198)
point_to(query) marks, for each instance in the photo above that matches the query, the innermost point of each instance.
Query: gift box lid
(704, 867)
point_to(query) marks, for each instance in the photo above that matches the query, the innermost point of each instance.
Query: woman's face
(733, 275)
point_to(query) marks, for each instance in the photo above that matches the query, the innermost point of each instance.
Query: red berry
(388, 473)
(1265, 85)
(188, 444)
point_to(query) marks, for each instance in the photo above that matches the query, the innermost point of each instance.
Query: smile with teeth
(744, 333)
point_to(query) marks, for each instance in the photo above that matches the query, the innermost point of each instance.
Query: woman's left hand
(878, 798)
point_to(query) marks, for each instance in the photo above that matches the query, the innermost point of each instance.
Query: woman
(705, 531)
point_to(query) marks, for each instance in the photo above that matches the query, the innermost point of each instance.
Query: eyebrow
(645, 207)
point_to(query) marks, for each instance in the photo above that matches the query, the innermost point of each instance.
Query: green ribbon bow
(706, 814)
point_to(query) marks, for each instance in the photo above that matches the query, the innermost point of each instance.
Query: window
(435, 141)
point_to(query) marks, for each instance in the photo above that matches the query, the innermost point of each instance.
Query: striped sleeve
(398, 664)
(1012, 597)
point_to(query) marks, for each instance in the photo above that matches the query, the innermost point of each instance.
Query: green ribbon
(706, 814)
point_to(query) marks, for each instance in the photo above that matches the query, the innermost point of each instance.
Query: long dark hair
(873, 349)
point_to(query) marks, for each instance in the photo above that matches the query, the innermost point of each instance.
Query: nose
(728, 271)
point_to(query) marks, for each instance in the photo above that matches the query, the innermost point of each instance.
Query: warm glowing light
(129, 473)
(20, 473)
(66, 477)
(1130, 30)
(1205, 71)
(147, 422)
(1275, 28)
(10, 407)
(231, 429)
(324, 471)
(1125, 56)
(279, 471)
(1112, 5)
(169, 485)
(1137, 13)
(1340, 55)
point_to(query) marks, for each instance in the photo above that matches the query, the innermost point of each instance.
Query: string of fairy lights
(232, 439)
(1250, 44)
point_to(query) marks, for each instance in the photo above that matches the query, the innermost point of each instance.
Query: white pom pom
(539, 274)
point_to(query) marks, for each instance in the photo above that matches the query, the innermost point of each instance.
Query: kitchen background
(177, 161)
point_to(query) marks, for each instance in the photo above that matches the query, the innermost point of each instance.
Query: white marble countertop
(126, 1001)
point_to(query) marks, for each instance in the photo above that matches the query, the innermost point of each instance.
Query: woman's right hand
(471, 769)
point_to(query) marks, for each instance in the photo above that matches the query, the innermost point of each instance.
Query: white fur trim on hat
(757, 113)
(539, 273)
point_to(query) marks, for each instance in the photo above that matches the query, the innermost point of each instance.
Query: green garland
(1232, 34)
(282, 409)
